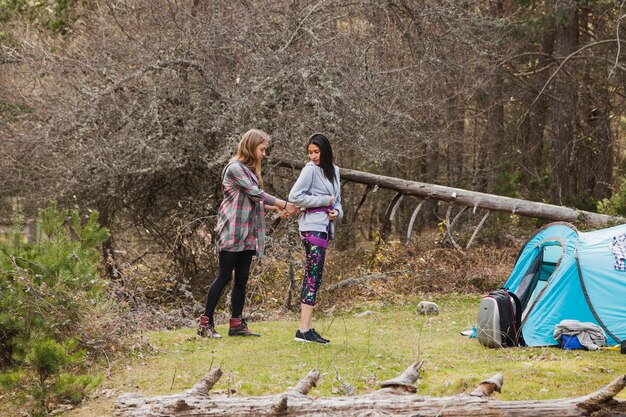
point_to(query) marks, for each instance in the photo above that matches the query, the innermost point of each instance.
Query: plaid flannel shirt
(241, 215)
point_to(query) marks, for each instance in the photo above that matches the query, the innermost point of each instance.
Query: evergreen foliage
(616, 205)
(49, 292)
(52, 14)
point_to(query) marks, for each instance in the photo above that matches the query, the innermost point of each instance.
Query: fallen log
(395, 397)
(472, 199)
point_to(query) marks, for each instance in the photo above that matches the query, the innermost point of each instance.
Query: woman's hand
(292, 208)
(287, 209)
(333, 214)
(332, 200)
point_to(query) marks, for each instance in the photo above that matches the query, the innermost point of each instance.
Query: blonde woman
(240, 230)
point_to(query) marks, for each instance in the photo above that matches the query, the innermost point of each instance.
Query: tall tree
(490, 99)
(595, 144)
(565, 98)
(532, 132)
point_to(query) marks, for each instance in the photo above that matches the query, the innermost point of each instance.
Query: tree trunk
(600, 123)
(532, 143)
(432, 171)
(493, 148)
(108, 252)
(395, 397)
(455, 155)
(472, 198)
(593, 156)
(564, 110)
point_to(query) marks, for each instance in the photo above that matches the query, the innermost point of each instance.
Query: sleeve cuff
(268, 199)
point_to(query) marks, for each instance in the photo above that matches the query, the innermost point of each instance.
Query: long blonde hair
(246, 151)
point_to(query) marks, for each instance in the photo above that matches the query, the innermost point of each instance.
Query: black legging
(240, 262)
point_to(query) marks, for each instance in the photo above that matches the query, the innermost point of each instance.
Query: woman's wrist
(285, 206)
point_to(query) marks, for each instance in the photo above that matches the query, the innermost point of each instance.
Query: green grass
(364, 350)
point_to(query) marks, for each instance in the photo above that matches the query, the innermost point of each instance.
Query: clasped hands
(285, 208)
(290, 208)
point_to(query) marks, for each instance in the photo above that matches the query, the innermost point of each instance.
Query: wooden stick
(449, 231)
(480, 225)
(307, 383)
(413, 217)
(203, 387)
(488, 386)
(406, 380)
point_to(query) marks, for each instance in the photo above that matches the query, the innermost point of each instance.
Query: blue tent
(562, 273)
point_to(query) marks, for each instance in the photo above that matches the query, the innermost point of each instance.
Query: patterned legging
(313, 269)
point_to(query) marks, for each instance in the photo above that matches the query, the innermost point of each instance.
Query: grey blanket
(589, 335)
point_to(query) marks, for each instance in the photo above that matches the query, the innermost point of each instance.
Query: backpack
(499, 320)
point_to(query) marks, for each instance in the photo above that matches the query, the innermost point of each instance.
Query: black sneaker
(320, 336)
(309, 337)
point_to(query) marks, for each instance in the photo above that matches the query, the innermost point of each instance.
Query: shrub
(49, 293)
(616, 205)
(53, 15)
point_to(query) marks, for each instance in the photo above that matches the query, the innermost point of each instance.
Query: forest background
(125, 112)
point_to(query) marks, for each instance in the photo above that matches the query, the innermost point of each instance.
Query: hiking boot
(309, 337)
(206, 329)
(320, 336)
(239, 327)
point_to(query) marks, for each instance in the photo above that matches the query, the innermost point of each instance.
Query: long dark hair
(326, 155)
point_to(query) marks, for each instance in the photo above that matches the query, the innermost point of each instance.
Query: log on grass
(396, 397)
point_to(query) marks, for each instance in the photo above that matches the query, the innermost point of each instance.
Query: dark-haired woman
(240, 230)
(317, 192)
